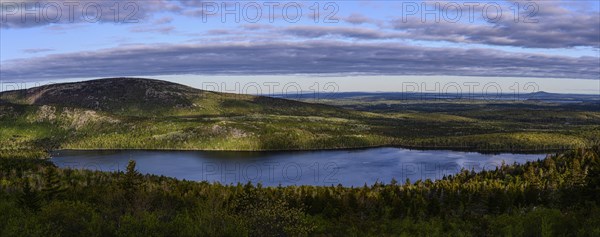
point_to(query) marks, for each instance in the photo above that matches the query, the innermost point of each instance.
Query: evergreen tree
(29, 198)
(52, 185)
(130, 184)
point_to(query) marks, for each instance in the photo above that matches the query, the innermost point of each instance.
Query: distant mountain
(107, 94)
(141, 97)
(556, 97)
(541, 93)
(373, 96)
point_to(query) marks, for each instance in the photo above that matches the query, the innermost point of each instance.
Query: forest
(557, 196)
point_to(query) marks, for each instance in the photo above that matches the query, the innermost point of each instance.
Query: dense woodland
(557, 196)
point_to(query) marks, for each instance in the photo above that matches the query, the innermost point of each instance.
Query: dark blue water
(324, 168)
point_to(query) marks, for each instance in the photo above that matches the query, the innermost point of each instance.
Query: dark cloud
(556, 24)
(298, 58)
(358, 19)
(550, 25)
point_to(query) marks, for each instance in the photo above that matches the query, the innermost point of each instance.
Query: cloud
(312, 57)
(63, 28)
(160, 26)
(153, 29)
(163, 20)
(358, 19)
(558, 24)
(348, 32)
(34, 13)
(37, 50)
(550, 25)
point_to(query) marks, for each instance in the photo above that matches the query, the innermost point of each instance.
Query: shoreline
(417, 148)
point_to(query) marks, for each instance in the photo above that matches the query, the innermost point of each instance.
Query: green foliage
(52, 185)
(71, 218)
(148, 114)
(270, 217)
(143, 224)
(552, 197)
(29, 198)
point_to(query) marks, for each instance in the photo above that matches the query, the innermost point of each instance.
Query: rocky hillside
(112, 94)
(129, 113)
(148, 97)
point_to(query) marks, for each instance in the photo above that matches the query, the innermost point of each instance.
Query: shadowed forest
(557, 196)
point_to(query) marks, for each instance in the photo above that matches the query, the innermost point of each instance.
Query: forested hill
(131, 113)
(149, 97)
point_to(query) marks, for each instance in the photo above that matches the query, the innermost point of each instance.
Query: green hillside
(131, 113)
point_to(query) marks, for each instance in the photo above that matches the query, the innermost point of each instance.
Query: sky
(311, 45)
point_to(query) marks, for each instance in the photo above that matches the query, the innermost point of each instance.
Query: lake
(322, 168)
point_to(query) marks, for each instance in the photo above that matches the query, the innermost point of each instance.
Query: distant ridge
(107, 94)
(148, 97)
(541, 95)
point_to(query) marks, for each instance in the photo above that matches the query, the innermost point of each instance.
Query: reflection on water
(324, 168)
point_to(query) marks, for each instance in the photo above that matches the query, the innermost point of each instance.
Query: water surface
(324, 168)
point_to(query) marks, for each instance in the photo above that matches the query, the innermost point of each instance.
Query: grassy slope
(150, 114)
